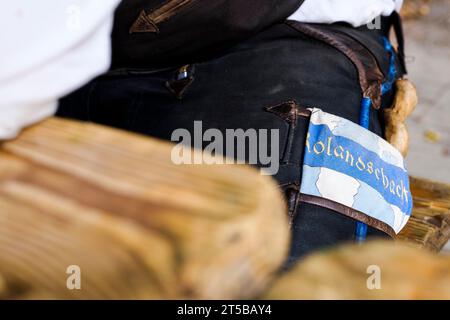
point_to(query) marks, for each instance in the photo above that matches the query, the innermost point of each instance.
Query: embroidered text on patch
(350, 165)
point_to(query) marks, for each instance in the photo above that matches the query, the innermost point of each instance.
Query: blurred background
(427, 30)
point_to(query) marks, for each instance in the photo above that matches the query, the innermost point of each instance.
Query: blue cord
(392, 75)
(364, 121)
(364, 115)
(361, 232)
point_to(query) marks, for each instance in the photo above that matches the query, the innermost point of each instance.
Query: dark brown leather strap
(148, 22)
(347, 211)
(369, 73)
(289, 111)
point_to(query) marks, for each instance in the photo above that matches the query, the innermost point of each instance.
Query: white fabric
(354, 12)
(48, 49)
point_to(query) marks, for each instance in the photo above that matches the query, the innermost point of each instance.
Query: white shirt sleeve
(48, 49)
(354, 12)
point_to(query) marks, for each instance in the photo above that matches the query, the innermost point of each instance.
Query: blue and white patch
(350, 165)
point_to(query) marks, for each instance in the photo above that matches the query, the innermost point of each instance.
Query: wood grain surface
(137, 225)
(429, 225)
(375, 270)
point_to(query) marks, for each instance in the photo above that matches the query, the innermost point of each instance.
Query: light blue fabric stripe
(324, 149)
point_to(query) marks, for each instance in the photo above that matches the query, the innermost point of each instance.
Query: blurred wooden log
(2, 287)
(429, 226)
(347, 272)
(137, 225)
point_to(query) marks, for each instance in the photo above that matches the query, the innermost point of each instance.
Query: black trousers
(233, 90)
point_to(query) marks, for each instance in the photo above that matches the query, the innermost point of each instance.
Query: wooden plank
(141, 227)
(374, 270)
(138, 225)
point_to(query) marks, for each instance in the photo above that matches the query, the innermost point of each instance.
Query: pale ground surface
(428, 58)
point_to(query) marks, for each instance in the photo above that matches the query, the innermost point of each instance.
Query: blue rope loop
(364, 118)
(361, 232)
(364, 115)
(392, 74)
